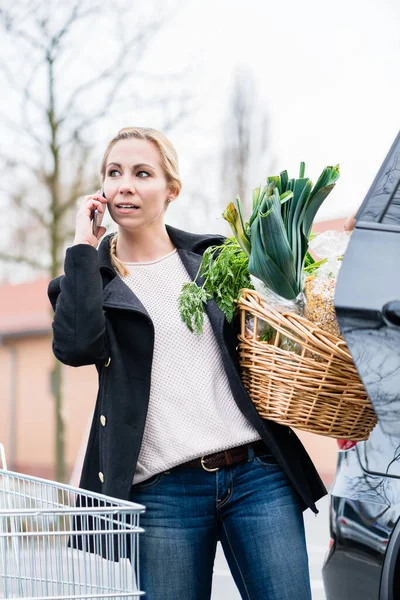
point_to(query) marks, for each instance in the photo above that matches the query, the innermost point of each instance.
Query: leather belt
(225, 458)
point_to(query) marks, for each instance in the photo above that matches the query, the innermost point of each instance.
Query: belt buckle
(207, 468)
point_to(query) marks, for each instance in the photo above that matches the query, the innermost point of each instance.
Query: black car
(363, 562)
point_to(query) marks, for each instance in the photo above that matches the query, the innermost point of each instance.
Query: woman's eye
(110, 173)
(143, 174)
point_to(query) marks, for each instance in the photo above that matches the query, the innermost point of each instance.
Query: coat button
(101, 477)
(103, 420)
(108, 362)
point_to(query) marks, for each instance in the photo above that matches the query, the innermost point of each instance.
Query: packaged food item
(320, 282)
(320, 292)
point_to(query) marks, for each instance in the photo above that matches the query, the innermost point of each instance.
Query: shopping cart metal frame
(65, 543)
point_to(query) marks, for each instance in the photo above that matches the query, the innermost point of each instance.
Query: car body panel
(364, 560)
(364, 510)
(380, 453)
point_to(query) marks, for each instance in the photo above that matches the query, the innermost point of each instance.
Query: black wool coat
(99, 320)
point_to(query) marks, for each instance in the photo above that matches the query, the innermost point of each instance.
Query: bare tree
(245, 140)
(67, 66)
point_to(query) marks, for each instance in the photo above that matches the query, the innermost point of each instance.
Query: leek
(277, 233)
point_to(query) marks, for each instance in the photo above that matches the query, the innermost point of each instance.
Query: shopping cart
(60, 542)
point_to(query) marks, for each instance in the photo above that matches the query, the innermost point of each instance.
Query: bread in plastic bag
(319, 287)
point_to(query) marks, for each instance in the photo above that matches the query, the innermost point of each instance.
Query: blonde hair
(169, 159)
(116, 263)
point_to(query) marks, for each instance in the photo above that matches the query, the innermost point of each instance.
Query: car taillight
(331, 542)
(345, 444)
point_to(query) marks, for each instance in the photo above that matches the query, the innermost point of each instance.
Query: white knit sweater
(191, 408)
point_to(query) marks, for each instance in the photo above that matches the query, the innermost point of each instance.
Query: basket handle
(3, 458)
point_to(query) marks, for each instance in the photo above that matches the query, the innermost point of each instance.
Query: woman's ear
(172, 194)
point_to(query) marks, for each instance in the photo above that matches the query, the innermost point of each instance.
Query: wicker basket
(317, 390)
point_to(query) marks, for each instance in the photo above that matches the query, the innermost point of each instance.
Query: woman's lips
(126, 209)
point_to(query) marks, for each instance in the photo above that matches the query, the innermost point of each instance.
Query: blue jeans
(251, 508)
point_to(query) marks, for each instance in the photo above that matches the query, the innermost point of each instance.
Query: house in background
(27, 416)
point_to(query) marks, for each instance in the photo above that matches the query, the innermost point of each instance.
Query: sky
(327, 74)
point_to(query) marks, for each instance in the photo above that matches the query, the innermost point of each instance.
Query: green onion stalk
(276, 236)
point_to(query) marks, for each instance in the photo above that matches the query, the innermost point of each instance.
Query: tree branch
(29, 12)
(27, 95)
(56, 39)
(107, 105)
(38, 215)
(140, 40)
(77, 183)
(15, 163)
(19, 33)
(18, 200)
(20, 129)
(32, 210)
(23, 260)
(171, 121)
(23, 89)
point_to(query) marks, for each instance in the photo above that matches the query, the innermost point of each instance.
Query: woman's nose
(126, 186)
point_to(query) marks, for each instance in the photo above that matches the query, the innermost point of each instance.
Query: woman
(174, 428)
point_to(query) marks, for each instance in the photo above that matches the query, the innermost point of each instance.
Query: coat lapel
(116, 294)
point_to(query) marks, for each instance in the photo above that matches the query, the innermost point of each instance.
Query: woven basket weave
(318, 390)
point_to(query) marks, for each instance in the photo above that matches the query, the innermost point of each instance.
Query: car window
(382, 202)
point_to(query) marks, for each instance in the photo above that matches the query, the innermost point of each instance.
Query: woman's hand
(84, 220)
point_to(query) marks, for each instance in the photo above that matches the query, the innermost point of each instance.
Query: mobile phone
(97, 217)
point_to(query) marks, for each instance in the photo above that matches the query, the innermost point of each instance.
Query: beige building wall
(4, 397)
(35, 420)
(35, 423)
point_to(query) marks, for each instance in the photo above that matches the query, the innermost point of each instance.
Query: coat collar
(190, 246)
(182, 240)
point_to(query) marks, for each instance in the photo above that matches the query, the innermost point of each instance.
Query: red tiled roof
(25, 307)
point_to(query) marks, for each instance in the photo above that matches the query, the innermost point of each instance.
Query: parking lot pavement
(317, 534)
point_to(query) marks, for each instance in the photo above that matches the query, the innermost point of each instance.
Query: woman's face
(135, 184)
